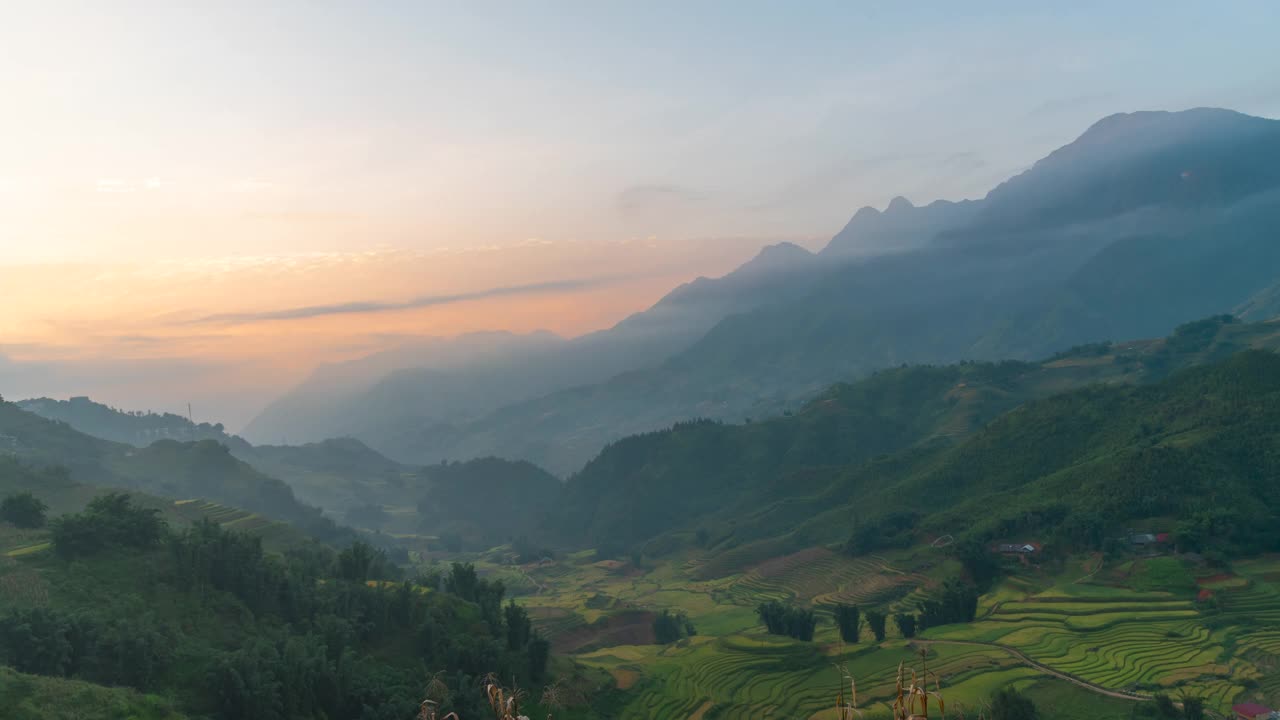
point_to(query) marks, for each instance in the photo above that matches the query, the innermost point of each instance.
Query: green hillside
(206, 618)
(33, 697)
(947, 434)
(180, 470)
(342, 476)
(131, 427)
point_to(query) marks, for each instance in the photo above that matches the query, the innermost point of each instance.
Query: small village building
(1016, 548)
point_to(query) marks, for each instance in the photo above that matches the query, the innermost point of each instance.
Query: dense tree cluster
(894, 529)
(23, 510)
(848, 618)
(906, 623)
(111, 520)
(876, 621)
(237, 633)
(957, 603)
(1009, 704)
(669, 627)
(789, 620)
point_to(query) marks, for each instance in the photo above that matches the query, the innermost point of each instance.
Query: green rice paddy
(1034, 632)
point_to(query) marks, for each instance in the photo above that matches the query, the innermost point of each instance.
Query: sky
(205, 200)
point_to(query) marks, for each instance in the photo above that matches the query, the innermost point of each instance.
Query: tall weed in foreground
(911, 699)
(504, 702)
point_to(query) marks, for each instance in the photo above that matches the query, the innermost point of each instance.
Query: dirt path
(1098, 557)
(1042, 668)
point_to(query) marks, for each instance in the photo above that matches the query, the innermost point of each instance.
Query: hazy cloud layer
(352, 308)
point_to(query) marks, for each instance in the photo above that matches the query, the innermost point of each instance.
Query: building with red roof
(1251, 711)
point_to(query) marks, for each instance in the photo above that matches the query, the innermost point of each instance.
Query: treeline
(669, 627)
(780, 619)
(957, 603)
(204, 615)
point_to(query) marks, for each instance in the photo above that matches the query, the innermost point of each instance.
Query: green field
(33, 697)
(1033, 631)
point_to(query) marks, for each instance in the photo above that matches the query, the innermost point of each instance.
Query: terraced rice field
(754, 676)
(822, 577)
(272, 532)
(1135, 642)
(1106, 636)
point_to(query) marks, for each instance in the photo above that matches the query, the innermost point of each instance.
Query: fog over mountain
(1108, 236)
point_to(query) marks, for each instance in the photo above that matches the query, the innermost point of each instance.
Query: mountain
(1145, 220)
(390, 400)
(485, 501)
(134, 428)
(843, 453)
(899, 228)
(179, 470)
(340, 397)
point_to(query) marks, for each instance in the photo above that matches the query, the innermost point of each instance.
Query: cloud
(355, 308)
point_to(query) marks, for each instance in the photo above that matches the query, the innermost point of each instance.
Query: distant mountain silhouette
(1144, 221)
(389, 397)
(901, 227)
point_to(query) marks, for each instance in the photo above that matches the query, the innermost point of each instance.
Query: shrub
(24, 510)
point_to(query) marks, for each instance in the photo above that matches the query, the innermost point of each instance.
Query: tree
(1009, 704)
(848, 617)
(957, 603)
(906, 623)
(669, 627)
(978, 563)
(1192, 707)
(24, 510)
(519, 627)
(1165, 707)
(461, 581)
(360, 562)
(780, 619)
(111, 520)
(875, 620)
(539, 652)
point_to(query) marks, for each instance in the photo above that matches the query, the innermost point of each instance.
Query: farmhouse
(1016, 548)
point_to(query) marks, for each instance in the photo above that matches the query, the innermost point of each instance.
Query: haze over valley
(416, 361)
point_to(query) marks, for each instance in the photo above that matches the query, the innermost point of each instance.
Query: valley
(1015, 454)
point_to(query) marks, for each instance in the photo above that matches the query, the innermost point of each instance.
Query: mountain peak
(779, 256)
(1144, 129)
(1131, 160)
(899, 205)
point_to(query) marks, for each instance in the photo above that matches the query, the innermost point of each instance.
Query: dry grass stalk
(911, 693)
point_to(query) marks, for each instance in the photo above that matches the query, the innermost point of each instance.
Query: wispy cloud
(358, 308)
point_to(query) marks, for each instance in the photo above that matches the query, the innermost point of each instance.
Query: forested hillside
(957, 435)
(341, 476)
(204, 617)
(178, 470)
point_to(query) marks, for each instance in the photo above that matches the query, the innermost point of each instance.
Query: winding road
(1022, 657)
